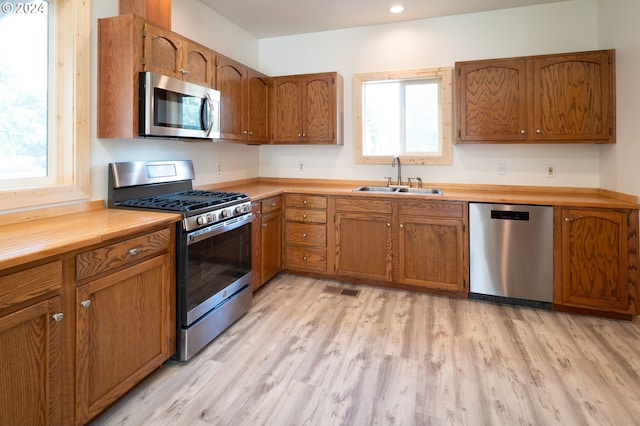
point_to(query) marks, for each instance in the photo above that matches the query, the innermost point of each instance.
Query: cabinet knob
(58, 317)
(401, 225)
(538, 131)
(273, 204)
(250, 133)
(522, 132)
(304, 202)
(244, 132)
(304, 135)
(388, 225)
(304, 258)
(299, 135)
(133, 252)
(304, 216)
(264, 225)
(85, 303)
(304, 235)
(567, 219)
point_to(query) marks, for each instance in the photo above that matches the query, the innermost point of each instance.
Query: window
(403, 113)
(44, 96)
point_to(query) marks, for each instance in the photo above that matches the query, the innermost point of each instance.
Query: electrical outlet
(550, 170)
(219, 168)
(501, 168)
(300, 166)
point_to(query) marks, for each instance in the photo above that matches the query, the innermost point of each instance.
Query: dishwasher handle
(509, 215)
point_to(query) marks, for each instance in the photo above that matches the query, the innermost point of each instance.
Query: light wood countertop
(37, 239)
(568, 197)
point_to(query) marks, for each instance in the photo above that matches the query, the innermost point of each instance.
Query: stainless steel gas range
(213, 245)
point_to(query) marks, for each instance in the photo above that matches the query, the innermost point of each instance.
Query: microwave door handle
(207, 119)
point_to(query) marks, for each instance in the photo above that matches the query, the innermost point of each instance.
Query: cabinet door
(286, 109)
(230, 81)
(196, 62)
(594, 260)
(432, 253)
(162, 51)
(257, 120)
(123, 332)
(364, 246)
(318, 105)
(271, 245)
(492, 100)
(30, 371)
(572, 97)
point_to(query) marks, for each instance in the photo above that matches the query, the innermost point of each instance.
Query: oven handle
(218, 228)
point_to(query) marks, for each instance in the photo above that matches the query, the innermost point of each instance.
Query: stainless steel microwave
(172, 108)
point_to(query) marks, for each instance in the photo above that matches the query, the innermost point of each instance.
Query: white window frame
(445, 156)
(69, 123)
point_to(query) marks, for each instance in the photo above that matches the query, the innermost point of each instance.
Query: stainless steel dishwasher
(511, 253)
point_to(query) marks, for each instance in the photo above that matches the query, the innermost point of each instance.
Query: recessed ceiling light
(396, 9)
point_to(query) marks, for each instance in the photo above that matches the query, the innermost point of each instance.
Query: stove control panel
(218, 215)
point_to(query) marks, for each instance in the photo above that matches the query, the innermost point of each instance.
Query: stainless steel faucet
(393, 164)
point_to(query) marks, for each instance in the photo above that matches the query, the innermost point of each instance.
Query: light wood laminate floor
(307, 355)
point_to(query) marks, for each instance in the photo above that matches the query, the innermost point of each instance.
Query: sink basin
(402, 190)
(375, 189)
(431, 191)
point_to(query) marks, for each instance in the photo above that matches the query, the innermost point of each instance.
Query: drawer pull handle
(58, 317)
(273, 204)
(304, 202)
(304, 257)
(304, 216)
(133, 252)
(304, 235)
(85, 303)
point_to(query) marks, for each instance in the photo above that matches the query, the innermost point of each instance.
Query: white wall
(619, 27)
(201, 24)
(553, 28)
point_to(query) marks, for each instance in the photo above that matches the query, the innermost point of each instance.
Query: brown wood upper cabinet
(308, 109)
(563, 98)
(127, 45)
(244, 102)
(168, 53)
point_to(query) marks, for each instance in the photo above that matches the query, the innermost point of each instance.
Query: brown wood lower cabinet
(420, 244)
(305, 242)
(31, 345)
(122, 332)
(364, 239)
(596, 253)
(267, 240)
(432, 251)
(30, 371)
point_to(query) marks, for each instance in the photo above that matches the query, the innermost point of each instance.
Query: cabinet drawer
(115, 255)
(271, 204)
(305, 216)
(305, 234)
(351, 204)
(453, 210)
(307, 258)
(30, 283)
(306, 201)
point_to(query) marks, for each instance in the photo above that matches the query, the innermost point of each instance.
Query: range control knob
(237, 210)
(224, 213)
(202, 220)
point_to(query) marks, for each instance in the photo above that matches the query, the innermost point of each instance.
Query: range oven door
(213, 282)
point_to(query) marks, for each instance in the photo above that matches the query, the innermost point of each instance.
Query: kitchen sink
(375, 189)
(400, 190)
(431, 191)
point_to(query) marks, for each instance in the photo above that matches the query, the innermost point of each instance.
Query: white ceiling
(273, 18)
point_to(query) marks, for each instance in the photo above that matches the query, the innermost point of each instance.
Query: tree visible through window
(24, 80)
